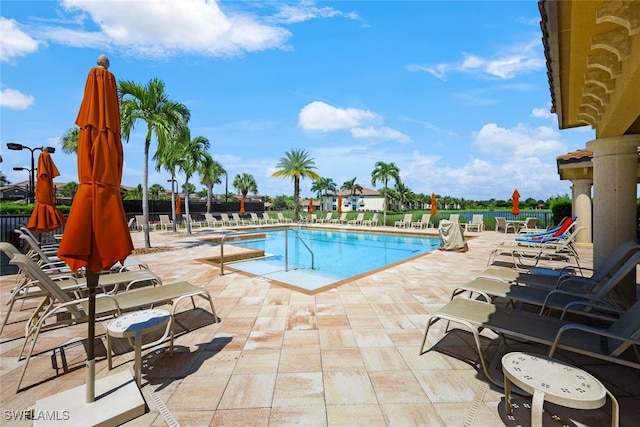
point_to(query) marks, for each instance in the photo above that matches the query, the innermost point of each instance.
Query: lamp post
(19, 168)
(173, 203)
(18, 147)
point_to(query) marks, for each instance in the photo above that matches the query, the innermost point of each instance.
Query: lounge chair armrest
(598, 304)
(591, 330)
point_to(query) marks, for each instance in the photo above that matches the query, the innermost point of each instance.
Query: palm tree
(70, 141)
(383, 172)
(134, 194)
(404, 195)
(296, 164)
(167, 157)
(193, 154)
(210, 175)
(150, 104)
(3, 180)
(156, 190)
(245, 183)
(352, 187)
(323, 186)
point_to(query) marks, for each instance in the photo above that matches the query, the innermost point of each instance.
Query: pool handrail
(286, 251)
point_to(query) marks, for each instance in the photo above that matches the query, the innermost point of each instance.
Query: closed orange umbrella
(310, 206)
(178, 208)
(241, 205)
(434, 208)
(97, 235)
(45, 216)
(339, 204)
(515, 202)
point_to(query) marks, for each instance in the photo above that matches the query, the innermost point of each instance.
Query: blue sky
(454, 93)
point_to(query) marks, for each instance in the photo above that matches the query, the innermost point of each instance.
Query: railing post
(222, 256)
(286, 250)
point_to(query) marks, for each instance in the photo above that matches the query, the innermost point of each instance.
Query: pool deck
(346, 356)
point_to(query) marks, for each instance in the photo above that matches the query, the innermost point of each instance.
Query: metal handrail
(286, 249)
(286, 246)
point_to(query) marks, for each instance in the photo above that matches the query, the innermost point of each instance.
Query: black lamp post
(19, 168)
(173, 207)
(18, 147)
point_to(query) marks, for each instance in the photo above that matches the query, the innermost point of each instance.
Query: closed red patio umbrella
(310, 209)
(178, 208)
(515, 203)
(97, 235)
(434, 208)
(45, 216)
(339, 204)
(241, 205)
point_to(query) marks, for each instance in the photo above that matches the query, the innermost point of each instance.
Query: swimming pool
(337, 255)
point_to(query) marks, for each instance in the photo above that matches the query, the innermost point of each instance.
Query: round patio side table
(556, 382)
(135, 325)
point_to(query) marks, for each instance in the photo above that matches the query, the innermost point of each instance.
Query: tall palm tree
(383, 172)
(323, 186)
(194, 154)
(404, 195)
(245, 183)
(210, 175)
(155, 190)
(352, 188)
(162, 116)
(296, 164)
(69, 141)
(167, 157)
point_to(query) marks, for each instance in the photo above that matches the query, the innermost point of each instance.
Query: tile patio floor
(344, 357)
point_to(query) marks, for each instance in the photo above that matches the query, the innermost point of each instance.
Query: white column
(615, 163)
(581, 194)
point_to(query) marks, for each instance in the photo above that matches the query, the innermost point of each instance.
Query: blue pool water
(338, 255)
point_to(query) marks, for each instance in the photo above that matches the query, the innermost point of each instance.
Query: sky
(455, 93)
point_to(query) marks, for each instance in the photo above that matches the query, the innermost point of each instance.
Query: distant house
(15, 192)
(367, 200)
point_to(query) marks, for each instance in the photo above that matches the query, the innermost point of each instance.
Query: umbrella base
(118, 400)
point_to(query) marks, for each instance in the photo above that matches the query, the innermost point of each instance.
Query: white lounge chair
(477, 223)
(239, 220)
(371, 222)
(211, 221)
(425, 222)
(268, 219)
(165, 222)
(357, 220)
(404, 222)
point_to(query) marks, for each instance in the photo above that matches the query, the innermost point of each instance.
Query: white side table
(556, 382)
(134, 325)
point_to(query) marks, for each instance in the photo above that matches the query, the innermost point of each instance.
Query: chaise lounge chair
(372, 222)
(477, 223)
(405, 222)
(111, 283)
(59, 308)
(598, 291)
(425, 222)
(558, 248)
(357, 220)
(621, 335)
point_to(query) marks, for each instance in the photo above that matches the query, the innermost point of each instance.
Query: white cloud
(14, 42)
(519, 141)
(506, 64)
(321, 116)
(307, 10)
(541, 113)
(15, 100)
(383, 133)
(169, 27)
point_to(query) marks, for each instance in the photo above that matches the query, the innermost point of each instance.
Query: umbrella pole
(92, 283)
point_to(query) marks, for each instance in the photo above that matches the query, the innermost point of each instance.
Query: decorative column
(615, 163)
(581, 194)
